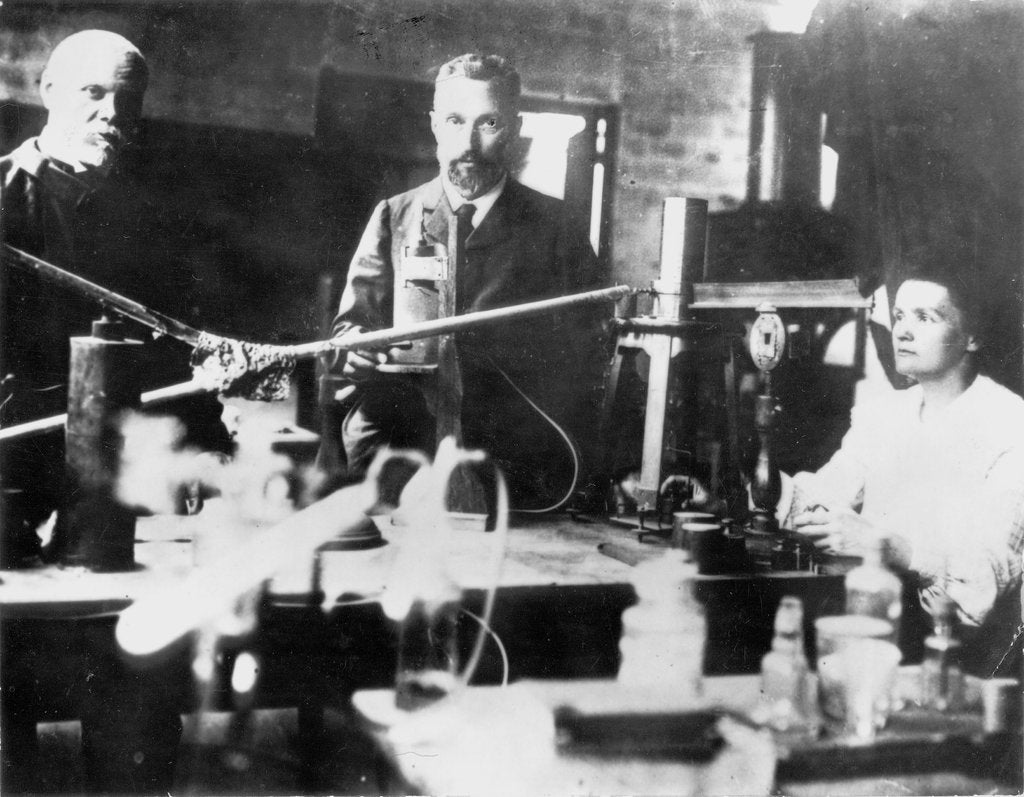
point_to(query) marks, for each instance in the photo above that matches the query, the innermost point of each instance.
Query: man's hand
(360, 364)
(840, 530)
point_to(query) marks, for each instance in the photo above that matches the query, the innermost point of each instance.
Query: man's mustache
(474, 159)
(112, 135)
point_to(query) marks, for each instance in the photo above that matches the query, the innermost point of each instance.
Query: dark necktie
(464, 226)
(465, 221)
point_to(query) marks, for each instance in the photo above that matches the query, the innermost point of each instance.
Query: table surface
(547, 550)
(188, 574)
(169, 548)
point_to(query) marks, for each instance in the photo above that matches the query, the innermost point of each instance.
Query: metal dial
(767, 339)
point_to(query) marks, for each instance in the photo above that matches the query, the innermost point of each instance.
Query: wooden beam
(796, 293)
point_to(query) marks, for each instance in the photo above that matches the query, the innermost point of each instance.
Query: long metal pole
(149, 399)
(376, 339)
(107, 298)
(382, 338)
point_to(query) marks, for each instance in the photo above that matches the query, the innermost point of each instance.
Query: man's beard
(474, 177)
(99, 149)
(91, 147)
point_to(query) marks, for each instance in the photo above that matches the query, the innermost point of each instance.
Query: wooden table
(320, 638)
(558, 609)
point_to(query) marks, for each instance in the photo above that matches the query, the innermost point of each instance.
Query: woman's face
(929, 333)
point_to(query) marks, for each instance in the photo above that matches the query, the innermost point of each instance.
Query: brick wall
(680, 71)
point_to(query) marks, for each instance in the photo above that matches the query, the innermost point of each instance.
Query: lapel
(500, 221)
(436, 211)
(67, 188)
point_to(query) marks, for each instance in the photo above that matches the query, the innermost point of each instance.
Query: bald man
(64, 197)
(92, 87)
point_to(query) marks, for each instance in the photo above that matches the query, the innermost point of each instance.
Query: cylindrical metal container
(94, 530)
(684, 232)
(785, 123)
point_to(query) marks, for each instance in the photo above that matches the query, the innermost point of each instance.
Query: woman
(935, 473)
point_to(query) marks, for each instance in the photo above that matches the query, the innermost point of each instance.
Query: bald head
(91, 46)
(92, 86)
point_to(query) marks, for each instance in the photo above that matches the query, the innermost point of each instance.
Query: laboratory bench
(321, 635)
(558, 611)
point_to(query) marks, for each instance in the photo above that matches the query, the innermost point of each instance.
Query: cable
(497, 641)
(497, 560)
(561, 432)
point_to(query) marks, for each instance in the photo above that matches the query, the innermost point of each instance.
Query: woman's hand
(839, 530)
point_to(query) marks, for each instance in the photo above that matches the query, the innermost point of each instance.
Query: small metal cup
(680, 539)
(998, 702)
(707, 545)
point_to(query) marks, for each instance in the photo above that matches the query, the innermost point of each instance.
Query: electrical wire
(561, 432)
(497, 561)
(498, 643)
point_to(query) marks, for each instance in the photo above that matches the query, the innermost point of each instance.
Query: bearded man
(66, 196)
(519, 248)
(58, 204)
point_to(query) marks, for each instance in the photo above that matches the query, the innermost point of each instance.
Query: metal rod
(114, 301)
(150, 398)
(378, 338)
(443, 326)
(383, 337)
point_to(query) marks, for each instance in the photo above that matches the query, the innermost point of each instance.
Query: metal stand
(675, 349)
(675, 345)
(767, 345)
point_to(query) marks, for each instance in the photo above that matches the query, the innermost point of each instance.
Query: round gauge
(767, 339)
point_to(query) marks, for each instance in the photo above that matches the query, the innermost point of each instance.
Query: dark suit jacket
(102, 231)
(523, 250)
(105, 232)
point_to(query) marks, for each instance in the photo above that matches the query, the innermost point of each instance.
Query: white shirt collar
(483, 203)
(54, 148)
(30, 158)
